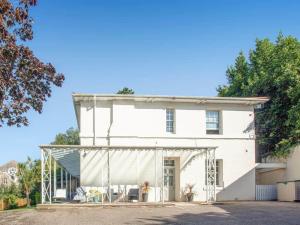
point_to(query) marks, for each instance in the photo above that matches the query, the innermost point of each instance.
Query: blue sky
(163, 47)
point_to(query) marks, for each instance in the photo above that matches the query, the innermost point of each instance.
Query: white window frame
(210, 131)
(170, 129)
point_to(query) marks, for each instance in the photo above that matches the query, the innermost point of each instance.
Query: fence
(21, 202)
(266, 192)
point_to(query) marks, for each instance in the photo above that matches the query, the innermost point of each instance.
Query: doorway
(169, 180)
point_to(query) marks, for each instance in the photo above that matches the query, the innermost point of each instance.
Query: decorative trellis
(210, 175)
(46, 175)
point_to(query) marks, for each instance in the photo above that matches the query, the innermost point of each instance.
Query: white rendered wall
(139, 119)
(143, 124)
(293, 165)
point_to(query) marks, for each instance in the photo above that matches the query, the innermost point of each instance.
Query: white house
(168, 141)
(8, 173)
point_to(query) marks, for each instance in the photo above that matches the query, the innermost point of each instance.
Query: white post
(66, 173)
(70, 188)
(50, 175)
(137, 172)
(108, 175)
(61, 178)
(155, 172)
(102, 185)
(206, 174)
(215, 174)
(55, 177)
(42, 175)
(163, 177)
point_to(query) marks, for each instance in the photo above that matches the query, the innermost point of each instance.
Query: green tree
(272, 70)
(29, 176)
(71, 137)
(126, 91)
(25, 81)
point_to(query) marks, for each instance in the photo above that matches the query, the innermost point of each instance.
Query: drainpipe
(108, 154)
(94, 120)
(111, 123)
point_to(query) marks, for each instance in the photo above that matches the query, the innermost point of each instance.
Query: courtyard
(245, 213)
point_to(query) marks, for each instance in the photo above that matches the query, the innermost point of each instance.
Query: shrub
(10, 194)
(11, 199)
(35, 197)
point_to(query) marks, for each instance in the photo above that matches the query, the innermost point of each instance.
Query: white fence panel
(297, 184)
(266, 192)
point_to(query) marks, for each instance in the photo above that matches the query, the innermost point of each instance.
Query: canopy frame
(47, 160)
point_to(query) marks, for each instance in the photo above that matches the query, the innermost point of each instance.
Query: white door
(169, 180)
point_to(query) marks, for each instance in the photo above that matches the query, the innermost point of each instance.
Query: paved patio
(245, 213)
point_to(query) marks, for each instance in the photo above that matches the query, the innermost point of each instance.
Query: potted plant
(189, 193)
(145, 191)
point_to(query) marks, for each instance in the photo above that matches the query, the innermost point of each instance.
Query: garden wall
(21, 202)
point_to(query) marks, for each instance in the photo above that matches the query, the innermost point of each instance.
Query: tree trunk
(28, 199)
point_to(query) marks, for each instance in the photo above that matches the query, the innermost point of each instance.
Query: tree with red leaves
(25, 81)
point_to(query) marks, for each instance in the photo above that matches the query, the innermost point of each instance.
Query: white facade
(116, 120)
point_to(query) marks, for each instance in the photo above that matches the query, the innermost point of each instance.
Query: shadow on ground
(246, 213)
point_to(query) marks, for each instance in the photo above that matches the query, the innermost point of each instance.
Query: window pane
(212, 114)
(165, 181)
(171, 180)
(170, 120)
(212, 132)
(212, 126)
(169, 162)
(212, 122)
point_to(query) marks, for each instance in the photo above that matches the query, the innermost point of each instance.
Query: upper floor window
(170, 120)
(212, 122)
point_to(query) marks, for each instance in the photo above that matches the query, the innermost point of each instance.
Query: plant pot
(190, 197)
(145, 197)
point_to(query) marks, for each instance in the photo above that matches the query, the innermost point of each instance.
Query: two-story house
(169, 141)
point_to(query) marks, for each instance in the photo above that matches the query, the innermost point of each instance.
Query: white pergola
(67, 157)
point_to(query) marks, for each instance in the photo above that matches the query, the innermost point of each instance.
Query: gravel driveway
(244, 213)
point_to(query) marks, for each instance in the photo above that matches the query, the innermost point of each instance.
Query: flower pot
(144, 197)
(190, 197)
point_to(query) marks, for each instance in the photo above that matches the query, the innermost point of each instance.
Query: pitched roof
(8, 165)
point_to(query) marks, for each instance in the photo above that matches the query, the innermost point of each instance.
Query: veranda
(108, 174)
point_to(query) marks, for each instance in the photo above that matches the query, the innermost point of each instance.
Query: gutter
(184, 99)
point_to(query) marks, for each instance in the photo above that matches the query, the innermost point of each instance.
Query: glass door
(169, 180)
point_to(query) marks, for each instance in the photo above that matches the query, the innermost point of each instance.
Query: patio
(247, 213)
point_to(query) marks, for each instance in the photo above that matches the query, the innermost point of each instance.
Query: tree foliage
(272, 69)
(25, 81)
(29, 174)
(71, 137)
(126, 91)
